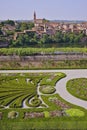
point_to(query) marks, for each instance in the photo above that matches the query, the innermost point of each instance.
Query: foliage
(47, 89)
(74, 112)
(66, 122)
(11, 22)
(60, 39)
(12, 114)
(49, 64)
(35, 102)
(33, 51)
(46, 114)
(25, 25)
(51, 81)
(15, 88)
(78, 87)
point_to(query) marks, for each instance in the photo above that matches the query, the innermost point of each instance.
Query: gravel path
(61, 85)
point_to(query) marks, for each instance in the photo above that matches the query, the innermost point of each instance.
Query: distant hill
(69, 21)
(57, 21)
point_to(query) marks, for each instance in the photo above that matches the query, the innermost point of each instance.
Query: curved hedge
(47, 89)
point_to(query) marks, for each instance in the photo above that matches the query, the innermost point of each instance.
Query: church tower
(34, 16)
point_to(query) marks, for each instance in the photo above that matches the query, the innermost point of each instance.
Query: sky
(49, 9)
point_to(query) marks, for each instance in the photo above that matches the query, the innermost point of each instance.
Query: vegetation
(47, 122)
(28, 39)
(47, 89)
(50, 64)
(59, 39)
(33, 51)
(78, 87)
(10, 22)
(46, 113)
(74, 112)
(47, 84)
(12, 114)
(14, 85)
(15, 88)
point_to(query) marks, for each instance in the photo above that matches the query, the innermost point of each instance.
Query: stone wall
(58, 57)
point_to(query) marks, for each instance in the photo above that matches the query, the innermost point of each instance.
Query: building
(42, 26)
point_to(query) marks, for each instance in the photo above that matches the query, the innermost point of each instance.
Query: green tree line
(60, 39)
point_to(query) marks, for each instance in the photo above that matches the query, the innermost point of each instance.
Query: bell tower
(34, 16)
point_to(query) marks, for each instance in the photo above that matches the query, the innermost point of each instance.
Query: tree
(58, 37)
(11, 22)
(1, 32)
(23, 26)
(30, 25)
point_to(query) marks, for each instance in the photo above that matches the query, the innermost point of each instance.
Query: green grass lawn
(78, 87)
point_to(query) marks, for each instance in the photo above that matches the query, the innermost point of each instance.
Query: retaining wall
(59, 57)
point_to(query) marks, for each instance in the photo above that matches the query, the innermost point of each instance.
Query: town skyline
(51, 10)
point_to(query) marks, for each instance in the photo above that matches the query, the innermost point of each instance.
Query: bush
(46, 114)
(74, 112)
(12, 114)
(47, 89)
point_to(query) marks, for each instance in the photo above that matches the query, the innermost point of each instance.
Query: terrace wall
(58, 57)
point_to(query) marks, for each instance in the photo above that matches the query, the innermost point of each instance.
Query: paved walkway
(61, 85)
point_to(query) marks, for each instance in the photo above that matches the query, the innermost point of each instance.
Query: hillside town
(47, 27)
(39, 27)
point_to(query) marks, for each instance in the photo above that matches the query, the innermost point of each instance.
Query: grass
(78, 88)
(47, 122)
(15, 88)
(47, 89)
(30, 51)
(50, 64)
(75, 112)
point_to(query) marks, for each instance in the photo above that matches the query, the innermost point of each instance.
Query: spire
(34, 16)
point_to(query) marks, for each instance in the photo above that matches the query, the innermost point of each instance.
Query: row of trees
(60, 39)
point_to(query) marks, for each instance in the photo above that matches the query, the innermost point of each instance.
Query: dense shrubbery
(59, 39)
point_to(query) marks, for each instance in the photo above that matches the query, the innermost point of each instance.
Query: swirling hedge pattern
(15, 88)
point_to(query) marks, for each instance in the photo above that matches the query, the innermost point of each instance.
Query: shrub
(46, 114)
(12, 114)
(74, 112)
(47, 89)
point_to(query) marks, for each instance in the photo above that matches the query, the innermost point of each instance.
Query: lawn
(78, 87)
(45, 109)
